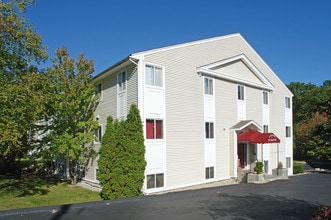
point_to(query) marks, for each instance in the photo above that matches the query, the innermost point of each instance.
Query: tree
(22, 85)
(311, 110)
(122, 157)
(70, 111)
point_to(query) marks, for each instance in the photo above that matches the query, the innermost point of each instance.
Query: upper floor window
(121, 81)
(209, 128)
(287, 102)
(209, 86)
(153, 76)
(154, 129)
(98, 89)
(288, 131)
(241, 92)
(265, 97)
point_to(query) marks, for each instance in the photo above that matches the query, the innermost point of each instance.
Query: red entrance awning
(256, 137)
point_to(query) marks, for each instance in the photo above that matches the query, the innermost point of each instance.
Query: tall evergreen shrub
(122, 157)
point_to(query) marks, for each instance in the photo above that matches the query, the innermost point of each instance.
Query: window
(209, 172)
(97, 134)
(121, 81)
(153, 75)
(209, 127)
(266, 166)
(241, 94)
(265, 98)
(265, 128)
(209, 86)
(287, 102)
(288, 162)
(98, 89)
(154, 129)
(288, 131)
(155, 181)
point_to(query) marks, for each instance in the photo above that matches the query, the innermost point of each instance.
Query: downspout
(140, 105)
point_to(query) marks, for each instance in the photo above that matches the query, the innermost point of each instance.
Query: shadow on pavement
(257, 207)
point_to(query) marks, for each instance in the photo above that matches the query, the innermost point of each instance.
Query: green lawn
(33, 191)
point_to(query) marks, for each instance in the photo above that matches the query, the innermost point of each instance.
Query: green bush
(122, 157)
(298, 168)
(258, 167)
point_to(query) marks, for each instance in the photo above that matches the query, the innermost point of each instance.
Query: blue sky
(292, 36)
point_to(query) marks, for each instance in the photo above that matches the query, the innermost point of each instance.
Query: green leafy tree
(311, 107)
(70, 111)
(22, 85)
(122, 157)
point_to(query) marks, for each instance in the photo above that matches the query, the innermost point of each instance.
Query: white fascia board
(207, 70)
(181, 45)
(204, 71)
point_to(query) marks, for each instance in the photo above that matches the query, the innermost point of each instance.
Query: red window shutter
(149, 129)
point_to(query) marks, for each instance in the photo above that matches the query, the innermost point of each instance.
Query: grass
(33, 191)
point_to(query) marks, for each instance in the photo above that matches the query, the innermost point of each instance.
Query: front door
(242, 155)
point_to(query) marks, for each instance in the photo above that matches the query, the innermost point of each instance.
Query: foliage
(312, 115)
(122, 157)
(32, 191)
(71, 104)
(298, 168)
(22, 85)
(323, 213)
(258, 167)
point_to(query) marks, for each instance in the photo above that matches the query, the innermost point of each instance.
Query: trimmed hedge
(298, 168)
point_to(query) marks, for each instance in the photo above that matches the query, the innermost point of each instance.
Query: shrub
(122, 157)
(258, 167)
(322, 213)
(298, 168)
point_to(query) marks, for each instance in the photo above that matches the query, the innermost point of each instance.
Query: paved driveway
(296, 198)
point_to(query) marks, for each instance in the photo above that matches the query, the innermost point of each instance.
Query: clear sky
(292, 36)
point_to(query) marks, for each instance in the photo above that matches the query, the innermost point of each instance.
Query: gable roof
(246, 124)
(135, 57)
(248, 74)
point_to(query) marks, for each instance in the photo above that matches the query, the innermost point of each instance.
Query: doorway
(242, 155)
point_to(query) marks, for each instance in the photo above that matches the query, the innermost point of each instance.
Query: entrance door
(242, 155)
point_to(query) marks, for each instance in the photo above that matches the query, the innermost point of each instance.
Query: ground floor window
(155, 181)
(266, 166)
(209, 172)
(288, 162)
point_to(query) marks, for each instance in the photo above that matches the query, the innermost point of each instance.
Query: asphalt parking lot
(296, 198)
